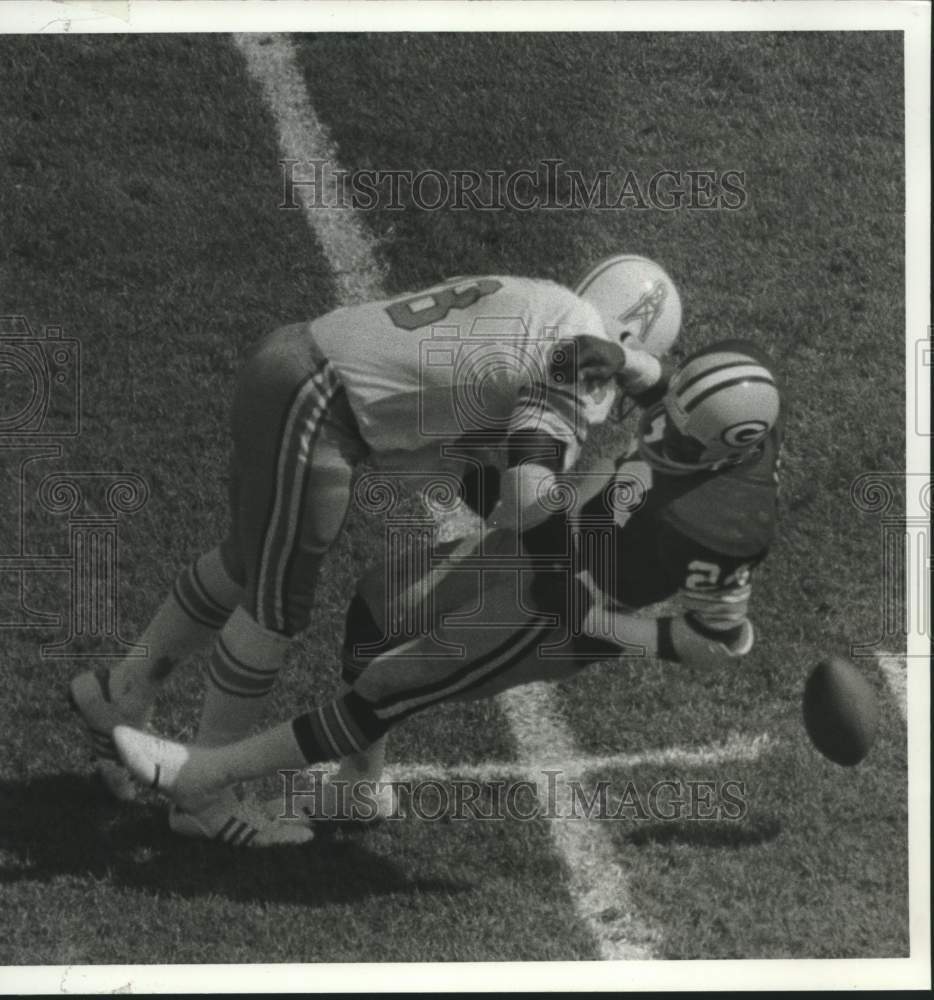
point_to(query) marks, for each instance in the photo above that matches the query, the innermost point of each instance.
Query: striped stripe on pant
(295, 447)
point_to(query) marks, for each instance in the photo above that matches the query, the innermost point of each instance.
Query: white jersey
(472, 356)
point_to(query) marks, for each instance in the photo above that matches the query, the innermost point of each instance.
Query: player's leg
(294, 450)
(348, 724)
(366, 625)
(335, 797)
(403, 681)
(295, 446)
(203, 597)
(295, 466)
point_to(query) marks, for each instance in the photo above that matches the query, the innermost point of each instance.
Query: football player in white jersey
(516, 365)
(684, 518)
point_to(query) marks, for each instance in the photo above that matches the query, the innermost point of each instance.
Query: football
(841, 713)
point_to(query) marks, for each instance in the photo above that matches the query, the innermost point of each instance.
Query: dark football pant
(490, 631)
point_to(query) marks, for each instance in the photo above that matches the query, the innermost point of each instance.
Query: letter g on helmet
(720, 404)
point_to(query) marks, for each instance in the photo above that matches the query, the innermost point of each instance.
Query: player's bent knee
(361, 630)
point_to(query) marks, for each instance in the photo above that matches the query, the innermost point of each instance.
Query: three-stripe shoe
(240, 824)
(89, 695)
(201, 809)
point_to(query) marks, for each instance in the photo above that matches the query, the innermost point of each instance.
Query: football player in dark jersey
(685, 517)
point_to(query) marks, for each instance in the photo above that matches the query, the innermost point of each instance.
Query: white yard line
(737, 749)
(349, 248)
(894, 669)
(599, 885)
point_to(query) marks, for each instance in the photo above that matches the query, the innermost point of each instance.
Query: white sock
(201, 601)
(193, 774)
(367, 765)
(244, 664)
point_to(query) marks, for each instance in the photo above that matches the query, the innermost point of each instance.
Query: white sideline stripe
(599, 887)
(348, 247)
(737, 749)
(894, 669)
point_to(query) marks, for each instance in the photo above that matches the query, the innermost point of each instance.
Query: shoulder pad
(732, 511)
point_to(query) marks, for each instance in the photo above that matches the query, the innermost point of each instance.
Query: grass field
(139, 212)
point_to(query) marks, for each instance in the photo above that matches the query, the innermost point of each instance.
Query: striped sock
(346, 725)
(242, 672)
(368, 765)
(202, 599)
(206, 592)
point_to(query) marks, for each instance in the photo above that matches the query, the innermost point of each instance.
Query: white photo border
(914, 19)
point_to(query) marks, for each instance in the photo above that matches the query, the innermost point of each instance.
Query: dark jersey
(647, 536)
(642, 537)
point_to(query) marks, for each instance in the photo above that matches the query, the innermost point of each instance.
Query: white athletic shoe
(239, 824)
(153, 760)
(89, 695)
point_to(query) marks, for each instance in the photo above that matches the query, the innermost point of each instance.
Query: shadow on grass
(707, 834)
(65, 824)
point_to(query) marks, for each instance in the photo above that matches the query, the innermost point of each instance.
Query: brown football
(841, 713)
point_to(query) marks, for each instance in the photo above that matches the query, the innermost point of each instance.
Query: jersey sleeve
(547, 426)
(576, 387)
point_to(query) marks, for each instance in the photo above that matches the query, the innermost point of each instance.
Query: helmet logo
(744, 434)
(646, 310)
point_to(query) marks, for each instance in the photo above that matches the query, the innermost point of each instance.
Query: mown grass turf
(810, 269)
(143, 219)
(141, 215)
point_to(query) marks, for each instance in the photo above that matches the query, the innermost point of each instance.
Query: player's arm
(715, 592)
(678, 638)
(712, 591)
(519, 507)
(642, 376)
(544, 439)
(550, 423)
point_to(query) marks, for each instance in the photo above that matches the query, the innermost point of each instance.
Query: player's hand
(639, 372)
(520, 507)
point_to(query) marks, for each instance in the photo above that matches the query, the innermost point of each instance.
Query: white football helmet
(720, 405)
(636, 299)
